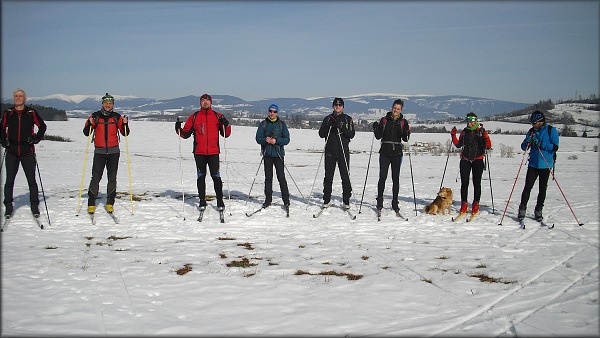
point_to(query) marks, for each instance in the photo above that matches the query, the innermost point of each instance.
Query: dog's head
(445, 193)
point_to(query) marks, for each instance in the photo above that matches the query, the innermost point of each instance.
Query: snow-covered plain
(272, 275)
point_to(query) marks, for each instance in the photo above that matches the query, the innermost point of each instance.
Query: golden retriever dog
(442, 202)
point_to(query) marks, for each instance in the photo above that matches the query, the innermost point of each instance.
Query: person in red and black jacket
(106, 124)
(206, 125)
(18, 136)
(475, 141)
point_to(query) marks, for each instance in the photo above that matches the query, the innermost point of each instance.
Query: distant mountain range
(367, 106)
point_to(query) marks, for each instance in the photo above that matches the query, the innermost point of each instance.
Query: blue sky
(513, 51)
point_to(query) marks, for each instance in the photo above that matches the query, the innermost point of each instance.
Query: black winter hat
(337, 100)
(537, 116)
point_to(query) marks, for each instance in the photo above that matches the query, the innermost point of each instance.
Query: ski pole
(288, 171)
(413, 180)
(448, 157)
(42, 186)
(181, 171)
(226, 169)
(255, 175)
(559, 188)
(513, 187)
(487, 159)
(367, 175)
(345, 160)
(128, 164)
(83, 172)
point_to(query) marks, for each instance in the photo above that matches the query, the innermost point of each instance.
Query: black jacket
(335, 128)
(391, 133)
(17, 127)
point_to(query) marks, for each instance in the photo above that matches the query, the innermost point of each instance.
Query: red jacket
(206, 127)
(107, 129)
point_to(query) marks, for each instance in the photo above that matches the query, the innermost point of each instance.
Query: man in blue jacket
(272, 134)
(542, 139)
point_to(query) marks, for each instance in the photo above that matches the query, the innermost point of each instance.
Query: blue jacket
(277, 130)
(544, 140)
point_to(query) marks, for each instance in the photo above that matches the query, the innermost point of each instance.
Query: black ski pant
(531, 176)
(276, 162)
(331, 160)
(111, 163)
(466, 167)
(384, 164)
(213, 165)
(12, 167)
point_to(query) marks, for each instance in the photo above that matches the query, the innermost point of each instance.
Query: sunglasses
(338, 105)
(109, 100)
(471, 119)
(272, 111)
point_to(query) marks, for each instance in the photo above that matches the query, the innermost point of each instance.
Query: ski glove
(224, 121)
(536, 142)
(453, 131)
(375, 125)
(5, 143)
(33, 140)
(177, 126)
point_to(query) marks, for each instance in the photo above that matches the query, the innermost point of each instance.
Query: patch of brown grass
(349, 276)
(186, 268)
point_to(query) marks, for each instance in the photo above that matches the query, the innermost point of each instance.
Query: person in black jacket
(337, 129)
(18, 136)
(392, 129)
(105, 124)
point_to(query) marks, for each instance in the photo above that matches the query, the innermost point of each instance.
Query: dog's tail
(427, 208)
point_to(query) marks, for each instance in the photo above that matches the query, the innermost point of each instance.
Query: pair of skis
(461, 215)
(540, 220)
(221, 214)
(111, 214)
(398, 214)
(286, 208)
(347, 210)
(7, 219)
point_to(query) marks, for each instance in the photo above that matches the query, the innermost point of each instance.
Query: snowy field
(160, 272)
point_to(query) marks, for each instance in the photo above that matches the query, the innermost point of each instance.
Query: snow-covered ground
(272, 275)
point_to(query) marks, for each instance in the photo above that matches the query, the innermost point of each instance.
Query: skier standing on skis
(272, 134)
(543, 140)
(105, 124)
(206, 125)
(474, 140)
(18, 136)
(391, 129)
(337, 129)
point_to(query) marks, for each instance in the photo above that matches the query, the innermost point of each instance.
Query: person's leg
(384, 163)
(28, 164)
(112, 167)
(544, 175)
(213, 166)
(530, 178)
(345, 174)
(280, 170)
(12, 166)
(465, 173)
(98, 163)
(268, 165)
(330, 163)
(396, 164)
(201, 161)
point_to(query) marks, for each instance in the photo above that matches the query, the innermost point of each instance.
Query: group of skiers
(18, 136)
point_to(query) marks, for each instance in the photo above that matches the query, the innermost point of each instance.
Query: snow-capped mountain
(417, 107)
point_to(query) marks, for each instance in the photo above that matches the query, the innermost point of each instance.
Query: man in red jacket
(206, 125)
(18, 136)
(106, 125)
